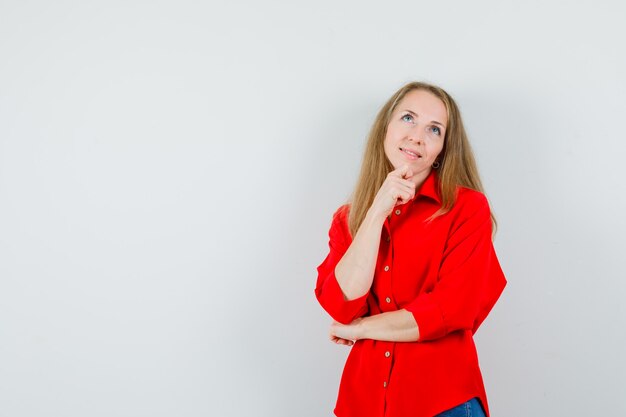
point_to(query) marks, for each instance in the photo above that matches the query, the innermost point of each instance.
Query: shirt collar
(429, 187)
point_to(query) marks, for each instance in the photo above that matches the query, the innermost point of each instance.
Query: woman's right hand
(395, 190)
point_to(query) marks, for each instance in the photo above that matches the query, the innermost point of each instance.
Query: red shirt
(447, 275)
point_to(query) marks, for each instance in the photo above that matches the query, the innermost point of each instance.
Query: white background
(168, 172)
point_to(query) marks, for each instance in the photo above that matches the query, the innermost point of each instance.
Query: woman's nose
(415, 135)
(416, 138)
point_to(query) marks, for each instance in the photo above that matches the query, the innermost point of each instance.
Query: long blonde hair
(457, 162)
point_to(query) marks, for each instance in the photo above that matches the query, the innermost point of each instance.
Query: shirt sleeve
(328, 291)
(470, 278)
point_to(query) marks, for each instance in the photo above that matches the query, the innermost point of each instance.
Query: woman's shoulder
(469, 195)
(470, 200)
(340, 216)
(342, 211)
(339, 228)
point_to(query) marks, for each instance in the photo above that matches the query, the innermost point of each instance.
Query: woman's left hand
(346, 334)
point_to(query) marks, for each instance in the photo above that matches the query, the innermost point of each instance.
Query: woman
(412, 271)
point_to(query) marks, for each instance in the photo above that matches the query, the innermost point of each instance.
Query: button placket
(386, 269)
(386, 277)
(389, 364)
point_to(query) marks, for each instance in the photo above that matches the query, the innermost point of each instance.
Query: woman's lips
(410, 154)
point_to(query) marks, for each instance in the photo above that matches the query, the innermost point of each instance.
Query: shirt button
(388, 300)
(385, 384)
(386, 268)
(398, 212)
(387, 354)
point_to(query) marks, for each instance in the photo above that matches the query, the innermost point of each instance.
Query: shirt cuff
(428, 316)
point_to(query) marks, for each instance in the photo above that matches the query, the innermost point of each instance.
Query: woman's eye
(407, 115)
(438, 132)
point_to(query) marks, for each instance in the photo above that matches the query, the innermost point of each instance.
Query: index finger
(403, 172)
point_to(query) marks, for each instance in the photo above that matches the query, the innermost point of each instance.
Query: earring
(436, 164)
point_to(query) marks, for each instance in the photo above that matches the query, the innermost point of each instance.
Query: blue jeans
(471, 408)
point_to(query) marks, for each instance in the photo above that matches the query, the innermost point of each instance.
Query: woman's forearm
(393, 326)
(355, 270)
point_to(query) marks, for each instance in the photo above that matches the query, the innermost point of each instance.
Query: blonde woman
(412, 272)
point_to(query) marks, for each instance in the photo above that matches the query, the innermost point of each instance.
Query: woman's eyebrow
(432, 121)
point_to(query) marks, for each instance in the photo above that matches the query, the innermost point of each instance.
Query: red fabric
(446, 273)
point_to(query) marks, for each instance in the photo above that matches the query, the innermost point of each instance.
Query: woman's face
(416, 132)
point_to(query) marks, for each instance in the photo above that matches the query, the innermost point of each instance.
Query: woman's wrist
(361, 328)
(374, 218)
